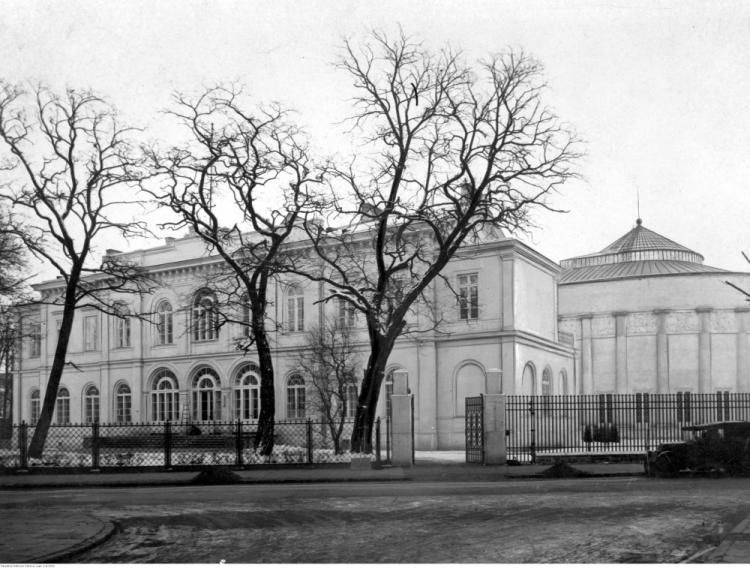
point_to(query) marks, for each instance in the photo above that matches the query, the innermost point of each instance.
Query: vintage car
(717, 447)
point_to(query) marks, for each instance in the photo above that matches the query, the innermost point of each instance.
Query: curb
(740, 534)
(107, 530)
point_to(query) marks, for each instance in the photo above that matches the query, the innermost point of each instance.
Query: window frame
(62, 407)
(90, 333)
(468, 296)
(91, 405)
(165, 403)
(296, 397)
(295, 309)
(123, 404)
(246, 389)
(205, 317)
(164, 323)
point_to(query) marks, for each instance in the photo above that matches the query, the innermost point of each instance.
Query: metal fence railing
(610, 424)
(177, 445)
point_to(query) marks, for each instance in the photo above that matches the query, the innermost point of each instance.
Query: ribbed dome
(639, 252)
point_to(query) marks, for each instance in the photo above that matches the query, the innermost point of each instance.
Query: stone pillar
(621, 352)
(402, 421)
(494, 429)
(662, 352)
(743, 363)
(704, 350)
(587, 356)
(494, 381)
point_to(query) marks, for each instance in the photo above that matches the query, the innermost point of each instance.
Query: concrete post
(402, 422)
(494, 381)
(743, 362)
(704, 350)
(621, 349)
(494, 429)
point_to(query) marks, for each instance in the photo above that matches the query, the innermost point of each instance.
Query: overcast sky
(660, 91)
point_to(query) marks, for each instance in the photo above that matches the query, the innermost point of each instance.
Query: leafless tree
(71, 177)
(329, 359)
(448, 152)
(241, 183)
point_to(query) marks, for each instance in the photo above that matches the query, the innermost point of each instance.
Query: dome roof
(638, 253)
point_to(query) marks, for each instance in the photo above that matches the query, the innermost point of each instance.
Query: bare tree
(241, 183)
(447, 152)
(329, 359)
(71, 177)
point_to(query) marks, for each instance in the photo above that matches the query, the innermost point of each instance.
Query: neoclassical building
(502, 337)
(649, 317)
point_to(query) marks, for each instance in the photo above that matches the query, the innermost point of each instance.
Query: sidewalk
(52, 542)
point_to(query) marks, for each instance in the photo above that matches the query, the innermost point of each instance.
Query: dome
(639, 253)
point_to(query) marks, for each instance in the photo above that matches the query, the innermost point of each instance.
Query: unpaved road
(602, 520)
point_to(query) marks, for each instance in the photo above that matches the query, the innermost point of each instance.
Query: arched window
(528, 380)
(547, 382)
(295, 309)
(352, 398)
(205, 320)
(247, 393)
(123, 403)
(91, 405)
(470, 381)
(164, 323)
(295, 397)
(35, 407)
(62, 406)
(122, 326)
(206, 394)
(165, 397)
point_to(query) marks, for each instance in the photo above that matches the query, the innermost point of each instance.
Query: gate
(475, 429)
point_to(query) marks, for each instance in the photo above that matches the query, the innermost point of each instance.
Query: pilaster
(704, 349)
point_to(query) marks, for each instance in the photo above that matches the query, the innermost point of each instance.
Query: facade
(502, 337)
(649, 317)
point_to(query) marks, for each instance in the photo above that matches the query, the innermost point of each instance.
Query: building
(649, 317)
(502, 338)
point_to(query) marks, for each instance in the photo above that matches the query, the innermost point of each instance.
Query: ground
(601, 520)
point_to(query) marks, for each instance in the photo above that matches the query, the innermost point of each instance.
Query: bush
(604, 433)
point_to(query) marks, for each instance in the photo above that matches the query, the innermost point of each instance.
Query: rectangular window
(683, 407)
(296, 313)
(345, 314)
(468, 296)
(123, 412)
(351, 401)
(90, 333)
(36, 409)
(722, 405)
(62, 411)
(642, 410)
(122, 334)
(35, 347)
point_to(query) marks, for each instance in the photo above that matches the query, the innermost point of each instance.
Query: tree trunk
(58, 365)
(263, 441)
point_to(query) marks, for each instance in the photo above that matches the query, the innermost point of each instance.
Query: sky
(658, 91)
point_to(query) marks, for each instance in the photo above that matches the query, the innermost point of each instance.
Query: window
(468, 296)
(206, 395)
(36, 407)
(345, 314)
(91, 405)
(35, 345)
(547, 390)
(351, 399)
(295, 397)
(62, 406)
(683, 407)
(90, 333)
(246, 316)
(247, 393)
(123, 404)
(164, 323)
(205, 320)
(165, 402)
(642, 408)
(295, 309)
(122, 326)
(722, 405)
(606, 409)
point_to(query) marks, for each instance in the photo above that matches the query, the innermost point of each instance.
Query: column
(662, 352)
(426, 391)
(743, 364)
(494, 429)
(401, 421)
(704, 350)
(621, 352)
(587, 356)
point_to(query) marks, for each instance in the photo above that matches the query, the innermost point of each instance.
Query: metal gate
(475, 429)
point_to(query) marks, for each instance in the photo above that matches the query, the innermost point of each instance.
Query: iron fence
(181, 445)
(610, 424)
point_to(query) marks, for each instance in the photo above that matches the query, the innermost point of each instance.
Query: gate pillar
(494, 429)
(402, 419)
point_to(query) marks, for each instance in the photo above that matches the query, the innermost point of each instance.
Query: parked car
(718, 447)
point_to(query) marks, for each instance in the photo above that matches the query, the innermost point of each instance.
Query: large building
(649, 317)
(503, 338)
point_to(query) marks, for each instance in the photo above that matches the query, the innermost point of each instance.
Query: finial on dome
(638, 221)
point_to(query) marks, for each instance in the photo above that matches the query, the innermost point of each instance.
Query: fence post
(95, 445)
(309, 440)
(377, 442)
(238, 443)
(23, 445)
(167, 445)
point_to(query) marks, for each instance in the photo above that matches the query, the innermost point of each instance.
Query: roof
(639, 253)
